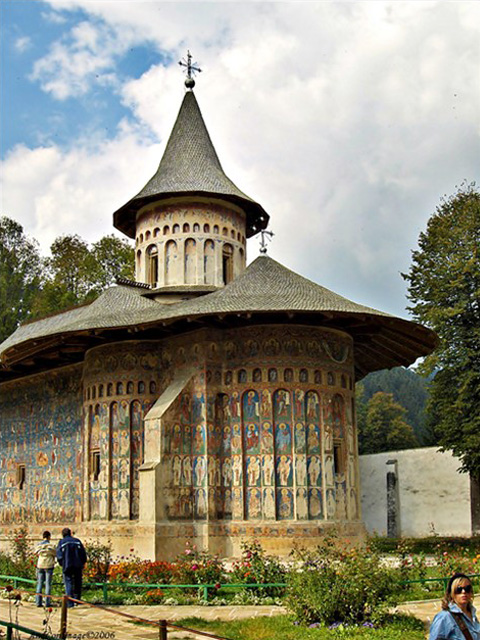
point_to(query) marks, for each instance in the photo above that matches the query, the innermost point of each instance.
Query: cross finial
(190, 70)
(265, 235)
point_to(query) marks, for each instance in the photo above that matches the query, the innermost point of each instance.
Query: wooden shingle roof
(266, 293)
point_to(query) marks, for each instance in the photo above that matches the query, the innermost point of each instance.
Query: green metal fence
(203, 589)
(11, 626)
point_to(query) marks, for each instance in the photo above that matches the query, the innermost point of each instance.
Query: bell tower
(190, 221)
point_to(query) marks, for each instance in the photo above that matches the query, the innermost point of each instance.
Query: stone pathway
(91, 623)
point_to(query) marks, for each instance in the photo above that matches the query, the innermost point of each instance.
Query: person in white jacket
(46, 552)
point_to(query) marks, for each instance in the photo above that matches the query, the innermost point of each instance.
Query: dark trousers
(73, 584)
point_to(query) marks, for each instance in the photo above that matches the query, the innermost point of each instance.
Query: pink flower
(194, 567)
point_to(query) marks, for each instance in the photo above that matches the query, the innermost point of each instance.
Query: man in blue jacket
(71, 557)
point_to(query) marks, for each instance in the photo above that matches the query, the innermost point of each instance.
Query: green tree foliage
(76, 274)
(444, 288)
(409, 389)
(382, 426)
(20, 275)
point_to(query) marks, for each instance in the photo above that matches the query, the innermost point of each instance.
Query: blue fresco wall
(40, 429)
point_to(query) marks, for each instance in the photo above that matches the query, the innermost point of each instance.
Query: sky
(347, 121)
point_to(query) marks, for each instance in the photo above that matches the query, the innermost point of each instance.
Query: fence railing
(204, 589)
(12, 626)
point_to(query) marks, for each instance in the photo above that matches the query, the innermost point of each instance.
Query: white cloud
(347, 121)
(22, 44)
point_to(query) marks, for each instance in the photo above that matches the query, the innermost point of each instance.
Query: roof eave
(124, 219)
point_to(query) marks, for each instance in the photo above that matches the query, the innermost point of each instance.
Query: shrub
(255, 567)
(99, 559)
(332, 585)
(197, 567)
(21, 554)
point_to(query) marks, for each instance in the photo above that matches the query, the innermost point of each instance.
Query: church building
(207, 400)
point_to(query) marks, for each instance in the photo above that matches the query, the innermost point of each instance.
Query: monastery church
(206, 400)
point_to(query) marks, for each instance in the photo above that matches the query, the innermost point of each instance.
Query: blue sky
(347, 121)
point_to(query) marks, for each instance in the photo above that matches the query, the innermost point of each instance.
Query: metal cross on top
(265, 235)
(191, 69)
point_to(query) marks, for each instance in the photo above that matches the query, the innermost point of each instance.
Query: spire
(190, 166)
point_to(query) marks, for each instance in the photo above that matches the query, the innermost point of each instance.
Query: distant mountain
(408, 389)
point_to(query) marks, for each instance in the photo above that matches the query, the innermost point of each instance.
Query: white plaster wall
(431, 491)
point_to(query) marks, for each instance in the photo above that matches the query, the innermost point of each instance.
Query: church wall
(263, 443)
(41, 433)
(260, 441)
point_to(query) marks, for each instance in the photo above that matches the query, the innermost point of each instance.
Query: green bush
(337, 585)
(22, 560)
(255, 567)
(99, 559)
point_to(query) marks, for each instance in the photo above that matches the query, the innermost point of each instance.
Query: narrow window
(152, 269)
(176, 228)
(338, 463)
(206, 228)
(21, 477)
(95, 462)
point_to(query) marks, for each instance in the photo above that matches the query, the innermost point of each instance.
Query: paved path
(88, 623)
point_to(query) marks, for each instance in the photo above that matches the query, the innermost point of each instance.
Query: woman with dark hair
(457, 620)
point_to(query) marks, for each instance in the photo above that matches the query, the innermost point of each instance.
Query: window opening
(21, 474)
(95, 465)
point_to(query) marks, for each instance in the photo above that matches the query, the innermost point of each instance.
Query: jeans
(43, 576)
(73, 584)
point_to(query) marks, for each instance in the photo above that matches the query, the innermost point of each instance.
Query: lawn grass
(400, 627)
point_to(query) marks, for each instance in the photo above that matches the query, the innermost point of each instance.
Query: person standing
(46, 552)
(71, 556)
(457, 620)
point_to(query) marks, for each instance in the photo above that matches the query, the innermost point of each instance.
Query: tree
(77, 274)
(20, 275)
(409, 389)
(385, 428)
(444, 288)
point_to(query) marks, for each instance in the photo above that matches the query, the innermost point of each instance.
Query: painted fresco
(44, 434)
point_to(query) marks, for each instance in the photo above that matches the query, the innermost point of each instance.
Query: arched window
(176, 228)
(206, 228)
(153, 387)
(288, 375)
(110, 389)
(196, 227)
(141, 237)
(119, 388)
(166, 230)
(232, 234)
(147, 235)
(242, 375)
(141, 387)
(225, 231)
(303, 375)
(257, 375)
(152, 266)
(100, 391)
(227, 263)
(156, 231)
(186, 227)
(215, 229)
(130, 388)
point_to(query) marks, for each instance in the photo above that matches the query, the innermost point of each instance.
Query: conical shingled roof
(190, 166)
